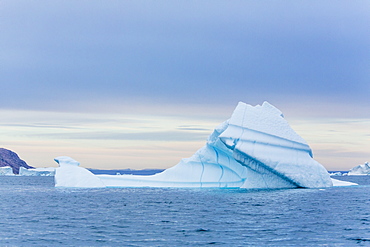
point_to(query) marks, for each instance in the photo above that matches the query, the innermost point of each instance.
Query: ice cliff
(255, 148)
(363, 169)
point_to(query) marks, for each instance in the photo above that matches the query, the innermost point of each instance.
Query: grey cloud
(191, 127)
(43, 126)
(142, 136)
(63, 55)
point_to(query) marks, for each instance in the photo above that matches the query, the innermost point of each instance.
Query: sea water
(34, 213)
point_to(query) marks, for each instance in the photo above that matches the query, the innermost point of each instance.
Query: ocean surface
(34, 213)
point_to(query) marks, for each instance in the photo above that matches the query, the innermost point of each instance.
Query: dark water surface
(34, 213)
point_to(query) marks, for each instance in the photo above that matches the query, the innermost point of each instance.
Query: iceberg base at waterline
(256, 148)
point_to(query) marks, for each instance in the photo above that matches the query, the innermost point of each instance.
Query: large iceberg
(255, 148)
(363, 169)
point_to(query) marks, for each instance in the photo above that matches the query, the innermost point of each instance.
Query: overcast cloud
(67, 55)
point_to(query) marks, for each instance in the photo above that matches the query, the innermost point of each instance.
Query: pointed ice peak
(272, 109)
(264, 118)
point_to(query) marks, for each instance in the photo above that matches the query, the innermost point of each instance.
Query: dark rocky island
(9, 158)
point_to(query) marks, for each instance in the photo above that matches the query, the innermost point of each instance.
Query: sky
(141, 84)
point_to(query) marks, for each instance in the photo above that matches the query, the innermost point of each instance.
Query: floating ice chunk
(363, 169)
(336, 174)
(337, 182)
(47, 171)
(6, 171)
(255, 148)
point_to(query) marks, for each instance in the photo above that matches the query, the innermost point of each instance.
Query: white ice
(69, 174)
(255, 148)
(337, 174)
(363, 169)
(47, 171)
(337, 182)
(6, 171)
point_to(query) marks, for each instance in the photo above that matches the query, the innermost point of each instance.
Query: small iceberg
(363, 169)
(47, 171)
(336, 174)
(6, 171)
(255, 148)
